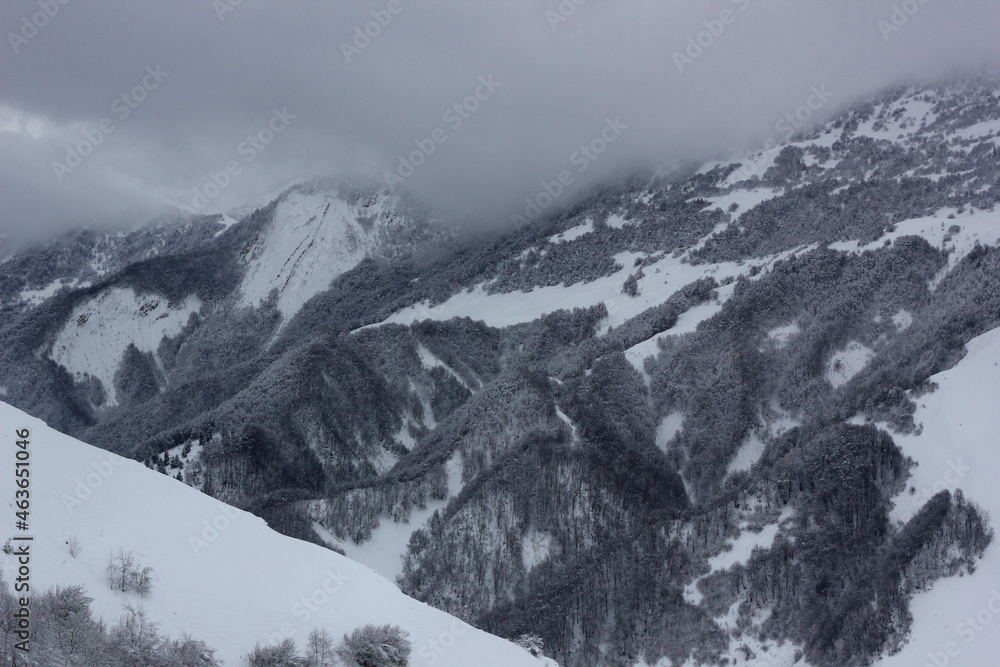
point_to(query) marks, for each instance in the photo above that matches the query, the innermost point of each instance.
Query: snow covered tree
(120, 568)
(279, 655)
(135, 639)
(376, 646)
(125, 573)
(533, 644)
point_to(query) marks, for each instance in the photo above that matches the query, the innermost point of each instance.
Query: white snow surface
(744, 199)
(573, 233)
(754, 164)
(226, 222)
(781, 421)
(669, 426)
(958, 447)
(750, 451)
(99, 330)
(742, 547)
(914, 111)
(687, 322)
(617, 221)
(981, 130)
(536, 547)
(848, 362)
(902, 319)
(430, 361)
(35, 297)
(314, 238)
(661, 280)
(246, 583)
(574, 435)
(781, 335)
(738, 552)
(975, 226)
(638, 353)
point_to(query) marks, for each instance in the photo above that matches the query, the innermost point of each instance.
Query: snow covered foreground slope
(233, 585)
(958, 621)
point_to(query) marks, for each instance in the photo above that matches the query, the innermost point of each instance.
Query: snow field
(220, 574)
(98, 332)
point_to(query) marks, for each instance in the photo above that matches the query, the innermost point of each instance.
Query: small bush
(73, 546)
(376, 646)
(533, 644)
(280, 655)
(126, 573)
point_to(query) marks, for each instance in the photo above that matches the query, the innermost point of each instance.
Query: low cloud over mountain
(111, 111)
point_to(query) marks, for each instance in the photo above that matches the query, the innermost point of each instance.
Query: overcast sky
(161, 95)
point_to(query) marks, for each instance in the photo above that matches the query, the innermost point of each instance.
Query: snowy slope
(958, 447)
(956, 621)
(667, 275)
(313, 239)
(99, 331)
(232, 585)
(662, 279)
(35, 297)
(316, 235)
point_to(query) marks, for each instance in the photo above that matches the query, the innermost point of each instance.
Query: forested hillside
(662, 423)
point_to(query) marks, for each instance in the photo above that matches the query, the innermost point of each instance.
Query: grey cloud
(563, 69)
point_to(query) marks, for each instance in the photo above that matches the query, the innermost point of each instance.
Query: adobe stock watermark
(86, 486)
(714, 29)
(786, 127)
(363, 35)
(432, 650)
(581, 158)
(307, 606)
(32, 24)
(248, 150)
(212, 529)
(223, 7)
(562, 12)
(122, 107)
(900, 16)
(968, 630)
(454, 116)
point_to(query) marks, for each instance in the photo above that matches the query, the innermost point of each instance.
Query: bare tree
(319, 649)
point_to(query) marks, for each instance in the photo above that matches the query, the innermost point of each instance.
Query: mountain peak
(324, 228)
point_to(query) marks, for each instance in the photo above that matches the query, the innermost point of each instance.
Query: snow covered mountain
(318, 234)
(219, 574)
(699, 417)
